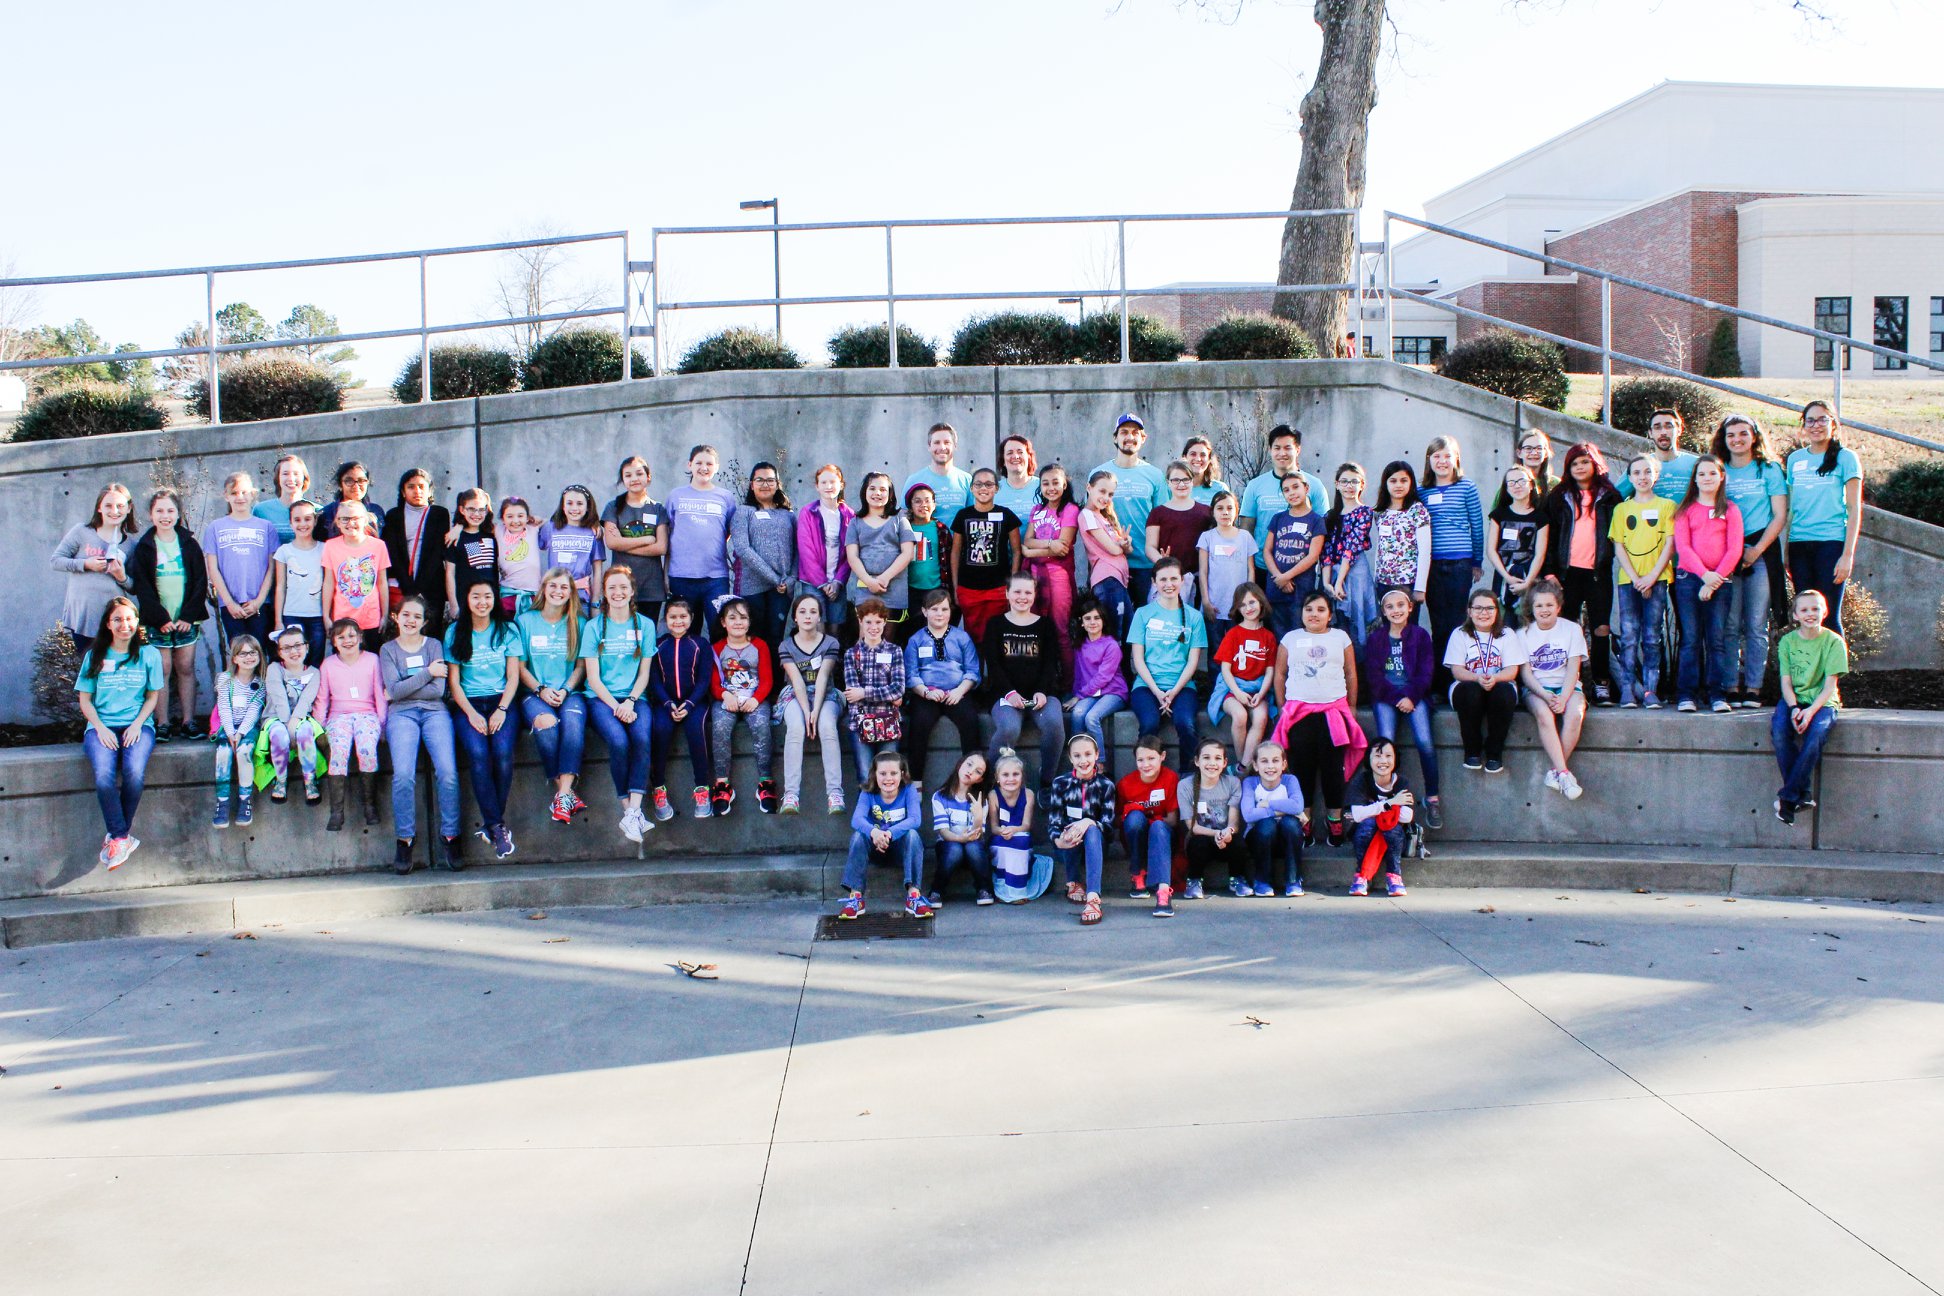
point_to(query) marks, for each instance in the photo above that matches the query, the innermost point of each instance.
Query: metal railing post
(1123, 290)
(890, 301)
(654, 296)
(1606, 352)
(425, 340)
(1390, 284)
(627, 314)
(209, 303)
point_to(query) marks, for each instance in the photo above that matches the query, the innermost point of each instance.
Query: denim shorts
(176, 638)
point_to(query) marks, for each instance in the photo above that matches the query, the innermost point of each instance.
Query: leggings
(345, 732)
(282, 740)
(1316, 761)
(1484, 716)
(830, 737)
(1055, 600)
(1592, 591)
(226, 771)
(662, 731)
(922, 716)
(722, 723)
(1202, 852)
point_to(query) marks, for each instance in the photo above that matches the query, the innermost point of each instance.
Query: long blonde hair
(572, 617)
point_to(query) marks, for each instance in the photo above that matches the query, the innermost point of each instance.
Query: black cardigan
(195, 583)
(429, 578)
(1560, 517)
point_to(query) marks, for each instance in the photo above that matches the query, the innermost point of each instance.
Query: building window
(1419, 350)
(1892, 330)
(1937, 326)
(1832, 316)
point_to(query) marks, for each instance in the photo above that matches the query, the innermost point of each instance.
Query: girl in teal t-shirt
(554, 709)
(1825, 509)
(618, 647)
(486, 647)
(118, 686)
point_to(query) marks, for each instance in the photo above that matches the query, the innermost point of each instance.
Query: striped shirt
(1457, 521)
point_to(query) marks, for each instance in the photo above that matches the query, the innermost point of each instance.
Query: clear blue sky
(251, 132)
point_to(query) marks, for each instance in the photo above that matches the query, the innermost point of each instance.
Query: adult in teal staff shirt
(1263, 498)
(1825, 509)
(1664, 428)
(950, 484)
(1139, 486)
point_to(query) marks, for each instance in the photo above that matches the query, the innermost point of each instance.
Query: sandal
(1076, 894)
(1090, 911)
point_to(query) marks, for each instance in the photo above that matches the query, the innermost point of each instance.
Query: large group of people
(1260, 615)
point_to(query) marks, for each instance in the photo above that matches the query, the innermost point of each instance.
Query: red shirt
(1157, 798)
(1249, 653)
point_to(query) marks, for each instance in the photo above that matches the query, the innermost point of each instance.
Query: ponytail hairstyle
(1333, 520)
(1835, 447)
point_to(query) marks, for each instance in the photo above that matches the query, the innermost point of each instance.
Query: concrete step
(216, 907)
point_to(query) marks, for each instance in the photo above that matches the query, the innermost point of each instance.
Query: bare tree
(19, 308)
(540, 281)
(1099, 267)
(1677, 340)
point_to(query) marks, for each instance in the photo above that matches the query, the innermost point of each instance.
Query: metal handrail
(890, 297)
(1608, 355)
(425, 330)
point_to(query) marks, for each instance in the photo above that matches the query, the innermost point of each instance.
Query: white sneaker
(1552, 780)
(1570, 785)
(631, 824)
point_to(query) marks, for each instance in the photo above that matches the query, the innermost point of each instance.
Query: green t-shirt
(492, 653)
(923, 573)
(621, 650)
(1808, 662)
(171, 576)
(123, 685)
(546, 648)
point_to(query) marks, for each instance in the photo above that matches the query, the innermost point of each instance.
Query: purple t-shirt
(698, 532)
(242, 550)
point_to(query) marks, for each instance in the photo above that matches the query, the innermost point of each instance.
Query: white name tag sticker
(924, 652)
(1263, 796)
(416, 659)
(1201, 807)
(895, 814)
(763, 514)
(885, 658)
(994, 517)
(1156, 796)
(816, 663)
(355, 692)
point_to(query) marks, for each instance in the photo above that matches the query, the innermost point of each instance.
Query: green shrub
(56, 663)
(1636, 399)
(86, 409)
(271, 387)
(1866, 626)
(1914, 489)
(1014, 338)
(1255, 337)
(1511, 364)
(1724, 351)
(459, 371)
(868, 346)
(739, 348)
(577, 358)
(1149, 341)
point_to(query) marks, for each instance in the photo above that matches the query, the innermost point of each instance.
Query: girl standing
(289, 725)
(809, 658)
(1292, 546)
(351, 707)
(1227, 557)
(471, 552)
(699, 515)
(1211, 806)
(92, 556)
(1535, 456)
(1149, 801)
(171, 585)
(1400, 664)
(742, 689)
(353, 485)
(874, 685)
(878, 549)
(293, 483)
(1555, 650)
(354, 575)
(1579, 519)
(520, 557)
(1051, 528)
(1825, 509)
(241, 570)
(1457, 535)
(763, 536)
(413, 534)
(1316, 677)
(237, 713)
(485, 646)
(413, 670)
(884, 829)
(1242, 665)
(1275, 824)
(1099, 688)
(1175, 527)
(1078, 813)
(635, 529)
(823, 526)
(1760, 490)
(1642, 532)
(619, 654)
(571, 539)
(927, 570)
(678, 686)
(1810, 659)
(299, 597)
(1108, 543)
(119, 686)
(1707, 548)
(1400, 534)
(1484, 658)
(554, 709)
(1346, 554)
(1382, 804)
(1515, 537)
(959, 825)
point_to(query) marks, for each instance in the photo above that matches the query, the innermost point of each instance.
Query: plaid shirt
(1072, 800)
(880, 673)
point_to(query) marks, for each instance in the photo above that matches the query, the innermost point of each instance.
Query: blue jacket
(683, 670)
(941, 669)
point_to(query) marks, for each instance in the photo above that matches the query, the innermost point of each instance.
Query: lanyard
(412, 553)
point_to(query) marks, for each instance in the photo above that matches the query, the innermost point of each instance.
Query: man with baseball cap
(1139, 487)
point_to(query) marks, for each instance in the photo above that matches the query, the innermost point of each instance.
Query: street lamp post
(774, 207)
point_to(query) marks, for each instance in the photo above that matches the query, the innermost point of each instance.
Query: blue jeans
(976, 856)
(1140, 584)
(1083, 862)
(1276, 843)
(1358, 611)
(406, 729)
(1704, 627)
(1368, 831)
(907, 852)
(1090, 715)
(1285, 614)
(490, 757)
(1049, 720)
(835, 609)
(1419, 718)
(1637, 622)
(1116, 606)
(1747, 645)
(257, 627)
(768, 615)
(1150, 847)
(1798, 754)
(662, 741)
(1812, 566)
(702, 592)
(560, 745)
(118, 776)
(313, 628)
(631, 747)
(1147, 710)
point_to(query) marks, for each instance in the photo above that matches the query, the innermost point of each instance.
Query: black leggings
(1202, 851)
(1593, 591)
(1484, 716)
(1316, 761)
(922, 716)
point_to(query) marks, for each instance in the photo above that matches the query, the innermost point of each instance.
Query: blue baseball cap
(1125, 419)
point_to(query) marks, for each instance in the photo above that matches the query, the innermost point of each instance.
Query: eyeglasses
(357, 481)
(1820, 420)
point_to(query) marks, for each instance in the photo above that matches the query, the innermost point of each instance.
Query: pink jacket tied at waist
(1345, 732)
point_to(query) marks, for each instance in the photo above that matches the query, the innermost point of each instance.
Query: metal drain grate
(875, 926)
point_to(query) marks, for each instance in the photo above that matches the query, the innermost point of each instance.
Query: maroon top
(1180, 529)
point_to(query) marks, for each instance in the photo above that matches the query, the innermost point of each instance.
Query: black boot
(370, 782)
(455, 853)
(334, 793)
(402, 860)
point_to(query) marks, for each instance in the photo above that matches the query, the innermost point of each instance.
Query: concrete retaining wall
(534, 443)
(1651, 779)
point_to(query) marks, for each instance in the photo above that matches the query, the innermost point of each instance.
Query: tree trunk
(1336, 127)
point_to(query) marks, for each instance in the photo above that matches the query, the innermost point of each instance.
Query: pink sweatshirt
(1706, 544)
(349, 688)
